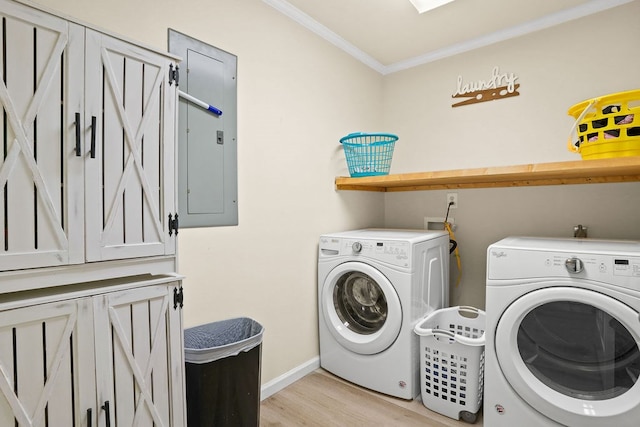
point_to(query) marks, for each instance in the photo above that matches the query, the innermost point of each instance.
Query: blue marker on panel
(200, 103)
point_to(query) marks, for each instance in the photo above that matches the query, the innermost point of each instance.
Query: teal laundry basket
(368, 154)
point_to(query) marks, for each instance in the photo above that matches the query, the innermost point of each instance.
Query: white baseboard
(288, 378)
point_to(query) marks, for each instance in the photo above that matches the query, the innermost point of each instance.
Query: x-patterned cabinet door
(139, 347)
(130, 165)
(41, 187)
(47, 371)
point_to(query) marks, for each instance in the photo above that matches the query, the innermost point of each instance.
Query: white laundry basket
(452, 361)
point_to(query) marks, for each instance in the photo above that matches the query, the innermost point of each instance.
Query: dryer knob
(357, 247)
(574, 265)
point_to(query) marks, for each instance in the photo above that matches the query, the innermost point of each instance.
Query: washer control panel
(392, 252)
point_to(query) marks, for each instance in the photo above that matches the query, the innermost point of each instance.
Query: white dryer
(373, 287)
(563, 333)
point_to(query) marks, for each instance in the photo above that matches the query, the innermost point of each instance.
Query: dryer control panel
(626, 267)
(607, 265)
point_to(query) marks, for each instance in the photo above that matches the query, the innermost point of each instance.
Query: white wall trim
(288, 378)
(548, 21)
(311, 24)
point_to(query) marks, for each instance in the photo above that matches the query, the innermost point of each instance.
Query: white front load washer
(563, 333)
(373, 287)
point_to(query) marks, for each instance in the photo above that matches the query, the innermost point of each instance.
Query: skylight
(426, 5)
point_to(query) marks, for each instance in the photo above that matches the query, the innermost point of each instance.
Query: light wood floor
(322, 399)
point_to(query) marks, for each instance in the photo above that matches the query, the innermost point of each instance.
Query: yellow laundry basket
(607, 126)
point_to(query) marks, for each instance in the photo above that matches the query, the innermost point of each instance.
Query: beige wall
(298, 94)
(557, 68)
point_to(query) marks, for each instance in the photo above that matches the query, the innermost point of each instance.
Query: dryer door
(361, 308)
(572, 354)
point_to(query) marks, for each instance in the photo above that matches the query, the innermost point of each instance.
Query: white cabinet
(87, 169)
(130, 171)
(101, 355)
(41, 184)
(39, 379)
(89, 332)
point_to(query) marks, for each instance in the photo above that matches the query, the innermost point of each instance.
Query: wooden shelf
(621, 169)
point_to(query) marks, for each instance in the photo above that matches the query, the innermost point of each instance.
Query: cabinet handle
(107, 413)
(78, 130)
(93, 137)
(89, 418)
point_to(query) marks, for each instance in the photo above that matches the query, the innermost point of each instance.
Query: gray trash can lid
(217, 340)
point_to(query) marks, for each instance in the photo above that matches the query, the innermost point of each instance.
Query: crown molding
(312, 25)
(586, 9)
(548, 21)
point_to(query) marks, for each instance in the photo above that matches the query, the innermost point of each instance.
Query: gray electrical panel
(207, 142)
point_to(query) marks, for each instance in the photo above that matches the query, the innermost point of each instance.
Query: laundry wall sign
(498, 86)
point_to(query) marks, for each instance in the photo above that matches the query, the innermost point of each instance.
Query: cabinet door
(139, 350)
(130, 174)
(46, 359)
(41, 189)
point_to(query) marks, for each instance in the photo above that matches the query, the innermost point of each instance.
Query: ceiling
(390, 35)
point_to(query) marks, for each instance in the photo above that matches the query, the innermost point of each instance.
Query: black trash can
(223, 373)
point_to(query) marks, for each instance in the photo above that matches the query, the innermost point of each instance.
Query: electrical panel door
(207, 142)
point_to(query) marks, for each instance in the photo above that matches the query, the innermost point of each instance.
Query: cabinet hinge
(173, 224)
(174, 75)
(178, 297)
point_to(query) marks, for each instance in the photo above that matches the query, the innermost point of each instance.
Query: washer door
(573, 355)
(361, 308)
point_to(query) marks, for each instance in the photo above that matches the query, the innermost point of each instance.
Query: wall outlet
(452, 198)
(437, 223)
